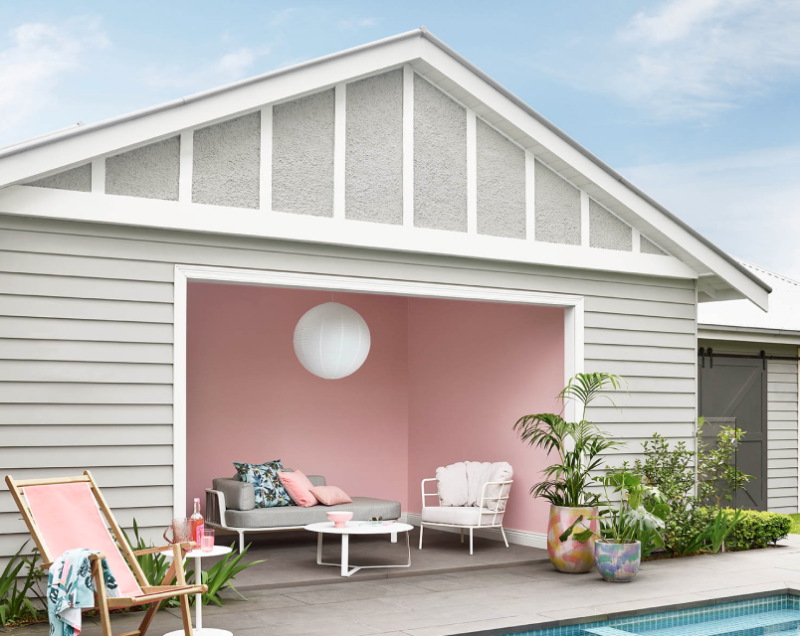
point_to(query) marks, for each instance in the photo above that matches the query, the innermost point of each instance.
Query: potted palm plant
(578, 447)
(623, 523)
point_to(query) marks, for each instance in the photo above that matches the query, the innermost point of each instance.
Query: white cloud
(281, 17)
(227, 68)
(351, 24)
(748, 204)
(689, 59)
(40, 55)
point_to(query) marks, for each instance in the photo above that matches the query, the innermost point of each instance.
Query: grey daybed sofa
(231, 505)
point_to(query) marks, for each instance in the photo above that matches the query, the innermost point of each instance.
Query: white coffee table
(359, 528)
(199, 630)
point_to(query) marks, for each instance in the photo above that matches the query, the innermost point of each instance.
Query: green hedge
(757, 529)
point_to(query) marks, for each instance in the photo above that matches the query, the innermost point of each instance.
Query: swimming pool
(774, 615)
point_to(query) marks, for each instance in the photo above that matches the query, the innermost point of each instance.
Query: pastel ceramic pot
(570, 556)
(618, 562)
(339, 518)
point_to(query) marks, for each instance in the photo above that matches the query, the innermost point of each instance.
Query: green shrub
(757, 529)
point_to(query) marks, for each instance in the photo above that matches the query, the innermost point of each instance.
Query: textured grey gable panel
(227, 163)
(558, 208)
(78, 179)
(501, 184)
(440, 159)
(150, 171)
(647, 247)
(374, 149)
(302, 155)
(607, 231)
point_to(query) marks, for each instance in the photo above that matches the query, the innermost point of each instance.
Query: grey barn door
(733, 391)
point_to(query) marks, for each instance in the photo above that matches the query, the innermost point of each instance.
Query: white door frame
(573, 326)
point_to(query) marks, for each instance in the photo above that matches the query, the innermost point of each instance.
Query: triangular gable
(401, 138)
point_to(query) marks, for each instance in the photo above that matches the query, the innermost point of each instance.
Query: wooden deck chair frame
(153, 594)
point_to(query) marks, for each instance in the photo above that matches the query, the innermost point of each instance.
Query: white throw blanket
(461, 484)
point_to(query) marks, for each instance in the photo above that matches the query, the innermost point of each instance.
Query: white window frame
(572, 305)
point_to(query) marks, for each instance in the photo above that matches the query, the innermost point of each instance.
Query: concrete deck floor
(501, 600)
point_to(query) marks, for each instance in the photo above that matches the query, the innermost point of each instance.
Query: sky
(697, 102)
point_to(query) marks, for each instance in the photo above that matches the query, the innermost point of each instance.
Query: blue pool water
(775, 615)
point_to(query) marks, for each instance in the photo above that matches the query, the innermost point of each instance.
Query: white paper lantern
(331, 341)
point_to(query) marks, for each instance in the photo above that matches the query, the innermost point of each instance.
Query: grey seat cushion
(363, 508)
(239, 495)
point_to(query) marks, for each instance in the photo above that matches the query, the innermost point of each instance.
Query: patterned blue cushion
(269, 491)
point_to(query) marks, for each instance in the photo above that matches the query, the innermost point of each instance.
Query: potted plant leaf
(630, 510)
(578, 447)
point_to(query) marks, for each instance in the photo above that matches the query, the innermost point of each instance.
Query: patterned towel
(70, 587)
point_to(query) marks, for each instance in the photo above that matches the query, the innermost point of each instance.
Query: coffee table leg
(319, 548)
(345, 553)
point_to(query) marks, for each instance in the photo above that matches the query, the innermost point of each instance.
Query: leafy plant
(579, 445)
(757, 529)
(15, 602)
(626, 518)
(721, 528)
(219, 577)
(154, 565)
(668, 468)
(718, 478)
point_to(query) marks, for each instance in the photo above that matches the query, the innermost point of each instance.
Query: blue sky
(695, 101)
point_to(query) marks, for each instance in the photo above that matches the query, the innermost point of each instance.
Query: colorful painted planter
(618, 562)
(570, 556)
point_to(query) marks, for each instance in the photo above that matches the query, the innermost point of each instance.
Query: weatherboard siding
(86, 336)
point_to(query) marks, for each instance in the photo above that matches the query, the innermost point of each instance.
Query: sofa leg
(470, 541)
(421, 528)
(503, 532)
(462, 535)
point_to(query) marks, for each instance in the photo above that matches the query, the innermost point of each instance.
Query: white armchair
(464, 481)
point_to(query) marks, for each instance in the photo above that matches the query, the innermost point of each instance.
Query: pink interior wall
(250, 400)
(444, 382)
(475, 368)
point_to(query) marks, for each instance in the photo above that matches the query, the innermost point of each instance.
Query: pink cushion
(330, 495)
(299, 488)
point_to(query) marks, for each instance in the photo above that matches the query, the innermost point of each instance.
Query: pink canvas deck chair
(65, 513)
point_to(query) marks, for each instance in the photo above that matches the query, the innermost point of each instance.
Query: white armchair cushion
(459, 515)
(453, 485)
(461, 484)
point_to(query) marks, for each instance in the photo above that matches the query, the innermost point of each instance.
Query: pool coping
(642, 611)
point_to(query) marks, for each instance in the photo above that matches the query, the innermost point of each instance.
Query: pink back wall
(250, 400)
(476, 368)
(444, 382)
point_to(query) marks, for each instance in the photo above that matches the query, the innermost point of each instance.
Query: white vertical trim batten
(530, 196)
(584, 219)
(472, 173)
(408, 145)
(339, 134)
(99, 176)
(186, 166)
(180, 295)
(265, 178)
(636, 238)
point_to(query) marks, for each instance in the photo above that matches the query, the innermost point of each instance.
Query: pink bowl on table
(339, 518)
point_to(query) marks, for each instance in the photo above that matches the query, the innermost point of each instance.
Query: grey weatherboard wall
(440, 159)
(501, 184)
(150, 171)
(227, 163)
(86, 347)
(302, 155)
(374, 149)
(782, 419)
(558, 208)
(77, 179)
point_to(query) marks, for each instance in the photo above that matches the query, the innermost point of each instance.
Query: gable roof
(720, 275)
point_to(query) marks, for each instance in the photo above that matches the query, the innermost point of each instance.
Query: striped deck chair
(66, 513)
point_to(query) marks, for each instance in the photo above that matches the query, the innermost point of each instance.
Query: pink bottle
(197, 524)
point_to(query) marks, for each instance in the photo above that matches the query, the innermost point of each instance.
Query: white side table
(359, 528)
(199, 630)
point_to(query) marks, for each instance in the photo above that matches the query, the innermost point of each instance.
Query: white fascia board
(743, 334)
(194, 217)
(506, 108)
(159, 122)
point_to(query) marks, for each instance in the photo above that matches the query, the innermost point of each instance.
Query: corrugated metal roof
(784, 306)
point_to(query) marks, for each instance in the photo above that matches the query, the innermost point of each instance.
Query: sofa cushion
(330, 495)
(299, 488)
(269, 491)
(459, 515)
(363, 509)
(239, 495)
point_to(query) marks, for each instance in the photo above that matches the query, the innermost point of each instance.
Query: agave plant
(579, 445)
